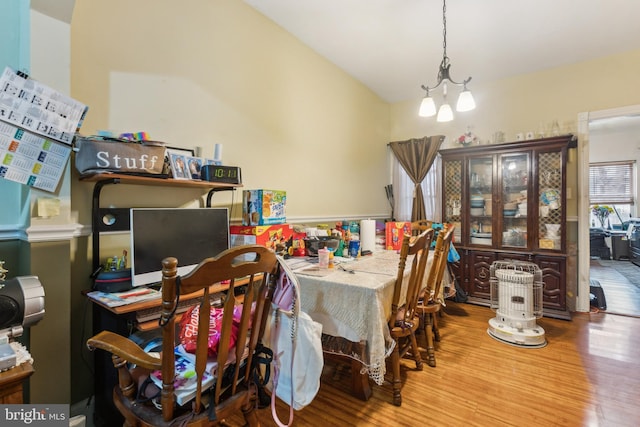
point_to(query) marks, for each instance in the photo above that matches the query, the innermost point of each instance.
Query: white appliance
(516, 297)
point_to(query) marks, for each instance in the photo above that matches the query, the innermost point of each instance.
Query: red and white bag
(189, 328)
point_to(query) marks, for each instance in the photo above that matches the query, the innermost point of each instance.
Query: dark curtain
(416, 157)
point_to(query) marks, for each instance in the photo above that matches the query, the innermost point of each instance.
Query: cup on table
(323, 258)
(354, 248)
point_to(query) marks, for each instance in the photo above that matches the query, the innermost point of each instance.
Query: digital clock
(219, 173)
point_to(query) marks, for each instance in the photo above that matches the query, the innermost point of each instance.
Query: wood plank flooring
(587, 375)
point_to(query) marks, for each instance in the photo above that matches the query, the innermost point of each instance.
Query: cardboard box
(394, 233)
(264, 207)
(265, 235)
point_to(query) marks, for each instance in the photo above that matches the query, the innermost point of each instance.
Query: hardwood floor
(587, 375)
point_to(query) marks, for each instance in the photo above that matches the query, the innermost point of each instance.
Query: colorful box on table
(269, 236)
(264, 207)
(394, 233)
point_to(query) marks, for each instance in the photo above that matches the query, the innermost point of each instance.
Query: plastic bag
(453, 255)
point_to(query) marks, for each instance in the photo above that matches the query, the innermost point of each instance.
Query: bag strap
(295, 310)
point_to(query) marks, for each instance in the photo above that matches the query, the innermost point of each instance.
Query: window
(612, 184)
(403, 189)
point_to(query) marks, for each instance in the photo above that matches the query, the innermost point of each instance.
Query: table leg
(360, 386)
(336, 349)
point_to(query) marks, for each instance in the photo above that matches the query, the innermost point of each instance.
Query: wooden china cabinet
(508, 201)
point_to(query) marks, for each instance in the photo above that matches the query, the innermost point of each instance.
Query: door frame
(583, 301)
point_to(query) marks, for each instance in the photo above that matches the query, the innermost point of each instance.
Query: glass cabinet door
(480, 201)
(453, 196)
(550, 200)
(514, 209)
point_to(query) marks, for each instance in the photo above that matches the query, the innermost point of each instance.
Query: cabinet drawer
(553, 275)
(480, 274)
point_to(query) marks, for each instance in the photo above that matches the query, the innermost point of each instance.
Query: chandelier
(465, 99)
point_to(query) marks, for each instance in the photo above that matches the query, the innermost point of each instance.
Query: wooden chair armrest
(124, 348)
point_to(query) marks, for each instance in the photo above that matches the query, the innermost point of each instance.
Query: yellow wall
(205, 72)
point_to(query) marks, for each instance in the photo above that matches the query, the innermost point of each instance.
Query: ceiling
(394, 46)
(58, 9)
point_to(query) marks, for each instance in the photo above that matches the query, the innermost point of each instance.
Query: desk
(11, 381)
(354, 307)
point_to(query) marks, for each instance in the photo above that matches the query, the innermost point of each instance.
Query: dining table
(352, 301)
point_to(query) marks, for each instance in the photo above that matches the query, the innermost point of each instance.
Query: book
(117, 299)
(185, 384)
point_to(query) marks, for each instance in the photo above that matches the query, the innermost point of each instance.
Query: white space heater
(516, 297)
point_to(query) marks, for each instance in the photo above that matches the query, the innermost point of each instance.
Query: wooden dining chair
(404, 320)
(233, 390)
(421, 225)
(430, 300)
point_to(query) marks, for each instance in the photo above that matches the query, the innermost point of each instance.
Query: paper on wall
(30, 105)
(37, 127)
(30, 159)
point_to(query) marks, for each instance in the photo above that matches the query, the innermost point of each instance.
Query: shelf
(115, 178)
(101, 180)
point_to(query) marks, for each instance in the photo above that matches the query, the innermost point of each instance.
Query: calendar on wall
(37, 127)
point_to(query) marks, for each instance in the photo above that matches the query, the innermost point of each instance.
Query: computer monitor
(189, 234)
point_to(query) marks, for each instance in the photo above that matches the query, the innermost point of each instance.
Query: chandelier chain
(444, 27)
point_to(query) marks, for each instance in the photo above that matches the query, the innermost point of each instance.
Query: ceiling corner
(61, 10)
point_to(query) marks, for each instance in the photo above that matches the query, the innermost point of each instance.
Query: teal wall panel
(15, 30)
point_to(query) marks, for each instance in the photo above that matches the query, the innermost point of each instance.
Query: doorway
(618, 130)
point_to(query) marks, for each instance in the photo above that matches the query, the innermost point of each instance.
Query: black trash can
(619, 246)
(597, 245)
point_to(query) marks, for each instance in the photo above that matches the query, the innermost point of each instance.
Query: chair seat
(405, 328)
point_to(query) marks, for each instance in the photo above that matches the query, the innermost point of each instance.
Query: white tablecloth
(354, 306)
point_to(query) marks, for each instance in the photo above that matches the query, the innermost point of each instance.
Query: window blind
(611, 183)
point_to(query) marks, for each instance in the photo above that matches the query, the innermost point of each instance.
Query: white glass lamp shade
(465, 101)
(445, 114)
(427, 107)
